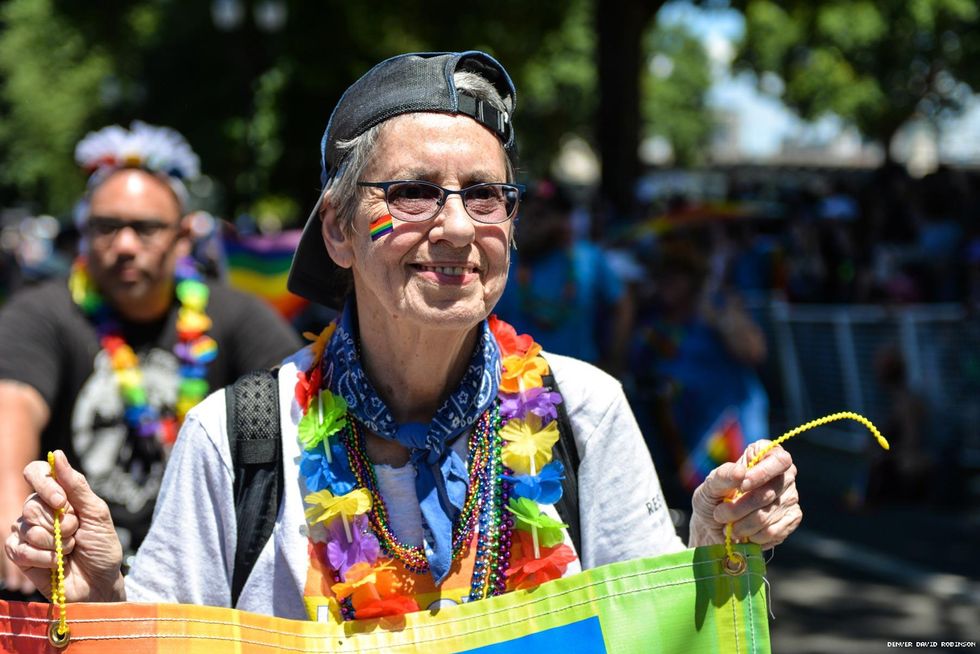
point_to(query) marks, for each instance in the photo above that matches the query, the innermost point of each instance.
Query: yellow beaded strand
(843, 415)
(59, 632)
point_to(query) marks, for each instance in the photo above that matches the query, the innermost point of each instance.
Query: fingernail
(58, 499)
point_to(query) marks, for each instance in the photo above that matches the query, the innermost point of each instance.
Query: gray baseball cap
(408, 83)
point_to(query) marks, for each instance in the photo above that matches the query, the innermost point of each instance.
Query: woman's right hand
(91, 549)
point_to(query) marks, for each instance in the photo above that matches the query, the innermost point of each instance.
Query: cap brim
(313, 274)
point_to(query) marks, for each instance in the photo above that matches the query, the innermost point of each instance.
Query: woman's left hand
(767, 511)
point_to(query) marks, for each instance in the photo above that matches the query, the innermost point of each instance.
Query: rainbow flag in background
(260, 265)
(722, 443)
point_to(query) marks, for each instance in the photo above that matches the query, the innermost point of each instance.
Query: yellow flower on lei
(523, 372)
(189, 320)
(124, 358)
(129, 377)
(325, 506)
(320, 341)
(528, 441)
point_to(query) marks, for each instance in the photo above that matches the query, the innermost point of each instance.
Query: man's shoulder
(229, 306)
(50, 297)
(222, 292)
(42, 293)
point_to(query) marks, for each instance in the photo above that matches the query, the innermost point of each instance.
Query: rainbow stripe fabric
(260, 265)
(722, 443)
(381, 226)
(683, 602)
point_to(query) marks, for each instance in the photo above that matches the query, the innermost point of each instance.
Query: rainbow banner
(687, 602)
(260, 265)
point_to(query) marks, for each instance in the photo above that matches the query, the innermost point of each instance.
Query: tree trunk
(620, 25)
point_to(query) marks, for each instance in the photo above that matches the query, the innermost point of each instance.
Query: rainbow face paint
(381, 226)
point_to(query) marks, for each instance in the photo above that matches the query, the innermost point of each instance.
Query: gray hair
(358, 151)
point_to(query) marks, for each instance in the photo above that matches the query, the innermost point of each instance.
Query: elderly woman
(418, 432)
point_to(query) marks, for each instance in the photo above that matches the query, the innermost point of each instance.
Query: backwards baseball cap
(408, 83)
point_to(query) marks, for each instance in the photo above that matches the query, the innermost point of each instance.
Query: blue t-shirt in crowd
(557, 299)
(708, 385)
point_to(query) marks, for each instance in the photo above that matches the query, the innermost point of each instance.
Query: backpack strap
(255, 441)
(566, 451)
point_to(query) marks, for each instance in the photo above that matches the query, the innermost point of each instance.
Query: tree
(675, 90)
(620, 25)
(253, 103)
(51, 79)
(874, 64)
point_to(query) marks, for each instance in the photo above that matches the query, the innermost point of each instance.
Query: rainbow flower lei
(511, 475)
(194, 350)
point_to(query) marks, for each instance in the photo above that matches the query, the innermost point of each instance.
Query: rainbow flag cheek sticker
(381, 226)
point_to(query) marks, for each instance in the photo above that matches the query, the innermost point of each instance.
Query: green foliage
(875, 64)
(557, 88)
(279, 209)
(50, 83)
(261, 132)
(674, 90)
(254, 104)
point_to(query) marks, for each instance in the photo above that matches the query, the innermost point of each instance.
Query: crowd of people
(843, 236)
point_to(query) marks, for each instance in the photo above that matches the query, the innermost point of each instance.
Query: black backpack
(255, 441)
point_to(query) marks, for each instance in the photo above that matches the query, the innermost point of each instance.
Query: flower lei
(511, 475)
(194, 350)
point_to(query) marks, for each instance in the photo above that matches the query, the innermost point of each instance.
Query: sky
(765, 122)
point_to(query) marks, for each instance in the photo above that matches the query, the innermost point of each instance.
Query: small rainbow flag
(722, 443)
(260, 265)
(381, 226)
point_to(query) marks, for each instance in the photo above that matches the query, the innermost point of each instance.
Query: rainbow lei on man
(511, 474)
(194, 350)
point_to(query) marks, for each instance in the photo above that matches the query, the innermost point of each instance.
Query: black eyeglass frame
(446, 192)
(109, 227)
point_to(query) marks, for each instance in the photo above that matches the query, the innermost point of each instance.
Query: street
(873, 580)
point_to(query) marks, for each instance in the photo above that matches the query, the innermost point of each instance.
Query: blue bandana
(441, 480)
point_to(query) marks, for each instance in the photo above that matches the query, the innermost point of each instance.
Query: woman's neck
(413, 367)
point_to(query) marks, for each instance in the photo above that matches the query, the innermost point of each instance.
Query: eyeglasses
(148, 231)
(415, 201)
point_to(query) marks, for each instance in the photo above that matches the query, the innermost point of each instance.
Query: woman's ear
(338, 244)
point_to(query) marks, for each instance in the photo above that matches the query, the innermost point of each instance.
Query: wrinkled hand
(91, 549)
(766, 513)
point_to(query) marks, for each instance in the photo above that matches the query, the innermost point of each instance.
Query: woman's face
(447, 272)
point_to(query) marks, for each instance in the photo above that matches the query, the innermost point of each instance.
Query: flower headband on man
(162, 151)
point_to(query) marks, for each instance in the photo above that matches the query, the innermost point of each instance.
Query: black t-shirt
(48, 342)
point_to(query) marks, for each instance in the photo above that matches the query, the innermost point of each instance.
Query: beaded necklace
(194, 350)
(511, 473)
(412, 556)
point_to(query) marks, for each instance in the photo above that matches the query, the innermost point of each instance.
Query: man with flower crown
(419, 434)
(106, 364)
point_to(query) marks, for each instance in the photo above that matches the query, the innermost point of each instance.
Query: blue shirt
(557, 299)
